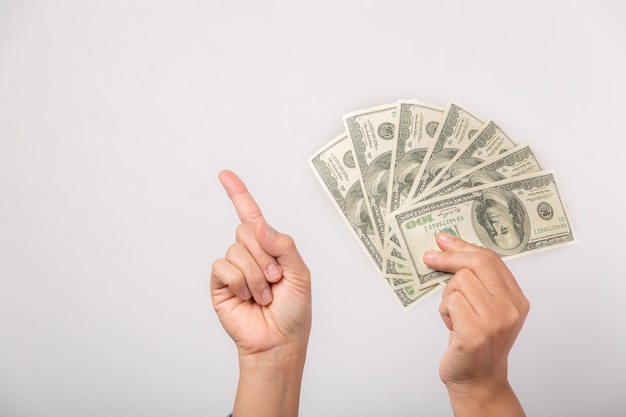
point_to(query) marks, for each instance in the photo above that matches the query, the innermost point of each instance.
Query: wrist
(269, 382)
(277, 363)
(488, 399)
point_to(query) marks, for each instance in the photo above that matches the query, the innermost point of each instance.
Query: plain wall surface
(116, 116)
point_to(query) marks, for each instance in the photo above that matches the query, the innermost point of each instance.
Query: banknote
(486, 144)
(335, 168)
(404, 171)
(417, 124)
(409, 297)
(512, 217)
(372, 132)
(518, 161)
(456, 127)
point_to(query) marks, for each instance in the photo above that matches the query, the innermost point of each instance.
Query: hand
(261, 291)
(484, 309)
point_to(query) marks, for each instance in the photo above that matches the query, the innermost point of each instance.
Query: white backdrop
(116, 116)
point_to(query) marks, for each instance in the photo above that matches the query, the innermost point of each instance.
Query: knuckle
(239, 232)
(484, 259)
(511, 317)
(463, 279)
(452, 301)
(509, 320)
(244, 230)
(491, 255)
(462, 276)
(218, 265)
(288, 242)
(257, 278)
(525, 305)
(233, 250)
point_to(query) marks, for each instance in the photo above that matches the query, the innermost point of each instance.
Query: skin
(484, 309)
(261, 291)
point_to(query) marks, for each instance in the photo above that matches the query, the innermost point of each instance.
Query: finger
(457, 253)
(447, 241)
(481, 264)
(246, 234)
(247, 209)
(224, 274)
(283, 248)
(239, 255)
(468, 284)
(456, 311)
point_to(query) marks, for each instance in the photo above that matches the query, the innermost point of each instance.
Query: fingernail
(246, 293)
(430, 255)
(267, 229)
(266, 296)
(273, 271)
(445, 237)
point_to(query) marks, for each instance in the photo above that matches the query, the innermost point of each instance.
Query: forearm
(493, 401)
(270, 385)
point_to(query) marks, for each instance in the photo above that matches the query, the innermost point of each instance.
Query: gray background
(115, 118)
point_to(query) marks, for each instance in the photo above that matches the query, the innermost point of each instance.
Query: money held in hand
(405, 171)
(513, 217)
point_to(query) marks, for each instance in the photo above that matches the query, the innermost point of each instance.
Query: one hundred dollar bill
(417, 124)
(410, 296)
(335, 168)
(518, 161)
(405, 171)
(485, 145)
(457, 126)
(372, 132)
(512, 217)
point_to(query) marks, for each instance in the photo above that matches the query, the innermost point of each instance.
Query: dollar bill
(335, 168)
(457, 126)
(512, 217)
(518, 161)
(486, 144)
(372, 132)
(402, 172)
(410, 296)
(417, 125)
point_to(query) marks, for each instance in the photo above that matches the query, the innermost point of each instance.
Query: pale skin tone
(261, 291)
(484, 309)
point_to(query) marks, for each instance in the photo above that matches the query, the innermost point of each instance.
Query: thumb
(283, 248)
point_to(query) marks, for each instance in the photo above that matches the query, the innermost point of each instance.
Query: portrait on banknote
(500, 221)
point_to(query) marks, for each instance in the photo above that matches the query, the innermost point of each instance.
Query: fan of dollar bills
(403, 172)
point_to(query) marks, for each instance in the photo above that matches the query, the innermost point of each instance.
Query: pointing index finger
(247, 208)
